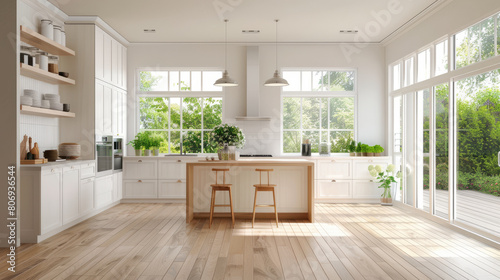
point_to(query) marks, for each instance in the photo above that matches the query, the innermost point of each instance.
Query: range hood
(253, 87)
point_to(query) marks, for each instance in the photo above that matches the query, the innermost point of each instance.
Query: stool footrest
(222, 205)
(265, 205)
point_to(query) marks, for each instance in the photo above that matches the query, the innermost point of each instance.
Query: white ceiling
(317, 21)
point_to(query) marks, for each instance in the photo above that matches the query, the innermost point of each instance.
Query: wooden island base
(294, 191)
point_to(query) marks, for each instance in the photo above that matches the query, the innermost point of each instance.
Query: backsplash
(262, 137)
(43, 130)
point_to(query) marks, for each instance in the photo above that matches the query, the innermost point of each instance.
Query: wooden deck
(474, 208)
(347, 241)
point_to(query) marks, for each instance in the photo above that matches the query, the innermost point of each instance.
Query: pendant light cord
(276, 45)
(225, 46)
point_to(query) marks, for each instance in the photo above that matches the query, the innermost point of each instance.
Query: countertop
(197, 158)
(57, 164)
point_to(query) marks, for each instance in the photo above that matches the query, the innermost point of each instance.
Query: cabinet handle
(139, 160)
(179, 160)
(139, 181)
(371, 160)
(333, 160)
(179, 181)
(371, 181)
(72, 167)
(52, 170)
(333, 181)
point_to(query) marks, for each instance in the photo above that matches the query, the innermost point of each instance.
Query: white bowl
(26, 100)
(37, 103)
(45, 104)
(32, 93)
(56, 106)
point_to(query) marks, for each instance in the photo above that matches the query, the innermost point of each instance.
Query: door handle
(334, 181)
(179, 181)
(139, 181)
(139, 160)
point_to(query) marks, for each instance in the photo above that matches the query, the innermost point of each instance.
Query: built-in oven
(117, 153)
(104, 155)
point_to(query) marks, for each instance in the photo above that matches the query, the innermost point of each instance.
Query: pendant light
(225, 81)
(276, 80)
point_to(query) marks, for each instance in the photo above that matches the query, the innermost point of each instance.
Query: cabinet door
(114, 61)
(51, 196)
(140, 189)
(119, 184)
(103, 191)
(99, 53)
(107, 100)
(124, 67)
(334, 169)
(70, 190)
(87, 170)
(122, 112)
(333, 189)
(175, 189)
(107, 57)
(360, 167)
(171, 169)
(99, 108)
(143, 169)
(114, 112)
(86, 196)
(366, 189)
(119, 71)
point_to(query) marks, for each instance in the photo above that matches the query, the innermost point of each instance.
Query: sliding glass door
(423, 163)
(441, 187)
(478, 146)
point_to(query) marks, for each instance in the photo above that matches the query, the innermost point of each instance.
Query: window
(475, 43)
(168, 110)
(409, 71)
(396, 76)
(320, 107)
(424, 65)
(441, 50)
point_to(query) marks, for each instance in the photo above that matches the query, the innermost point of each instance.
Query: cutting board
(34, 161)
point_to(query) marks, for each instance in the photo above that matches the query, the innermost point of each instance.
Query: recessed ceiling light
(149, 30)
(349, 31)
(250, 31)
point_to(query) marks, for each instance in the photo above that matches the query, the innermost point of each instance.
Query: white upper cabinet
(110, 59)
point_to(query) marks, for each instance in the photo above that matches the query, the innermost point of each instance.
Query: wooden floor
(348, 241)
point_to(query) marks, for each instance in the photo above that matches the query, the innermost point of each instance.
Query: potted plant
(358, 149)
(230, 134)
(137, 144)
(352, 148)
(378, 150)
(385, 178)
(146, 143)
(369, 151)
(364, 149)
(155, 142)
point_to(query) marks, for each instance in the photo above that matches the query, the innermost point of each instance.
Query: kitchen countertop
(196, 158)
(57, 164)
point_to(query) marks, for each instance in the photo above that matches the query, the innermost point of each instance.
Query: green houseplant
(358, 149)
(364, 149)
(155, 142)
(378, 150)
(137, 144)
(385, 178)
(146, 143)
(352, 148)
(370, 151)
(230, 134)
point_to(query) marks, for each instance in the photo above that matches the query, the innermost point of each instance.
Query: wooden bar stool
(220, 187)
(264, 188)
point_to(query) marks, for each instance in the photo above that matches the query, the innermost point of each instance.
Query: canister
(47, 29)
(53, 64)
(43, 60)
(57, 33)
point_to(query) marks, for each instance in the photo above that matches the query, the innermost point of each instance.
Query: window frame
(319, 94)
(175, 94)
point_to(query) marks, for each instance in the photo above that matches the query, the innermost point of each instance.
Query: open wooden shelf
(28, 110)
(46, 76)
(36, 39)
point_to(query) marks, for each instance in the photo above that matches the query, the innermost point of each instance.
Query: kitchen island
(294, 192)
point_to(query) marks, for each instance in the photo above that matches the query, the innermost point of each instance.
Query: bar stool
(264, 188)
(220, 187)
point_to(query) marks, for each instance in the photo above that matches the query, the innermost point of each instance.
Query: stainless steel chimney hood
(253, 87)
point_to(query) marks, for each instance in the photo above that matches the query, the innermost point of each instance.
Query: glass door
(440, 182)
(478, 146)
(423, 164)
(398, 142)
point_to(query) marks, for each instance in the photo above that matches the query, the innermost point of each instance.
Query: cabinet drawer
(171, 169)
(366, 189)
(172, 189)
(87, 170)
(334, 169)
(140, 189)
(140, 169)
(333, 189)
(361, 168)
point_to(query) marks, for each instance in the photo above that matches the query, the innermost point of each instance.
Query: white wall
(264, 136)
(452, 18)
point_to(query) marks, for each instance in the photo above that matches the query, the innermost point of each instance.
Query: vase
(156, 152)
(147, 153)
(232, 152)
(386, 199)
(352, 154)
(138, 153)
(370, 154)
(219, 153)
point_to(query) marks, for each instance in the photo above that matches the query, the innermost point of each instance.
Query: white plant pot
(147, 153)
(138, 153)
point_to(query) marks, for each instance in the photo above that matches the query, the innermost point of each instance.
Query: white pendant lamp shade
(225, 81)
(276, 80)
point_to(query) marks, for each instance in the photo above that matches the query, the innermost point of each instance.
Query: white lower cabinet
(51, 200)
(103, 191)
(70, 193)
(140, 189)
(86, 195)
(171, 189)
(117, 186)
(334, 189)
(366, 189)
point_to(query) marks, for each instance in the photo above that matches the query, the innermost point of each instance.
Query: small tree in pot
(352, 148)
(137, 144)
